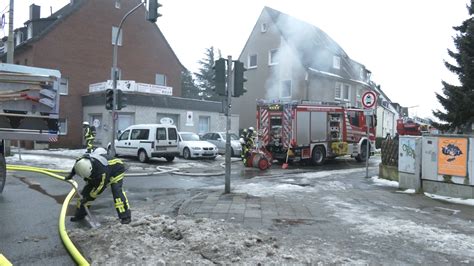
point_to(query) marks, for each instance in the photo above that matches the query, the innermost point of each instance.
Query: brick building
(77, 40)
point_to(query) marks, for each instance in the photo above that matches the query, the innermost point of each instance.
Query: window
(203, 125)
(346, 92)
(62, 126)
(64, 86)
(336, 62)
(139, 134)
(354, 118)
(160, 79)
(172, 134)
(18, 38)
(359, 98)
(161, 133)
(338, 90)
(114, 36)
(285, 88)
(124, 135)
(29, 31)
(263, 27)
(252, 61)
(272, 57)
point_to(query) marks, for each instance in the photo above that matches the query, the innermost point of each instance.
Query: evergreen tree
(458, 100)
(188, 86)
(205, 76)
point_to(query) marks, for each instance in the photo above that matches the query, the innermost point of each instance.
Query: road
(339, 192)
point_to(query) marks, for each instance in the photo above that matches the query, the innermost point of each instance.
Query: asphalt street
(335, 206)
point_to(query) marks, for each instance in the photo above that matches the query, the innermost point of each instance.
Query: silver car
(219, 139)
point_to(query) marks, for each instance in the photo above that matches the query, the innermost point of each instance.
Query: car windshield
(232, 136)
(189, 136)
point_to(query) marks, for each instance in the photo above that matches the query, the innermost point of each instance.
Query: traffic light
(152, 14)
(109, 99)
(239, 79)
(219, 76)
(121, 100)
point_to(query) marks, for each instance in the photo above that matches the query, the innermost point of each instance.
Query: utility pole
(10, 43)
(227, 140)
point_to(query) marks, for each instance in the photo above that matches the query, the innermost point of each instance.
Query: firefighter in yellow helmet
(99, 171)
(89, 136)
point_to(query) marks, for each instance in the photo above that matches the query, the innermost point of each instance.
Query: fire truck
(315, 132)
(29, 101)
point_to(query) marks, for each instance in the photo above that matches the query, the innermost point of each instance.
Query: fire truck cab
(313, 131)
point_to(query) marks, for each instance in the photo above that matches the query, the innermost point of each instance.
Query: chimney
(34, 12)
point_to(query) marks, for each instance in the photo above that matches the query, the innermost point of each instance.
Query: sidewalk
(246, 209)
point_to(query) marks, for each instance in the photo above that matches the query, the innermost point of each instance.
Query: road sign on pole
(369, 99)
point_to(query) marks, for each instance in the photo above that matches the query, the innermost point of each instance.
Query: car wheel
(169, 158)
(142, 156)
(232, 152)
(319, 155)
(186, 154)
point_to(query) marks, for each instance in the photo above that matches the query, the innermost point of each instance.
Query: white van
(148, 140)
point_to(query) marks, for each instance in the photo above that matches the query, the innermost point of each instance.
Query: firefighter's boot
(80, 214)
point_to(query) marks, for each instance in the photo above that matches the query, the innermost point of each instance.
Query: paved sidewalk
(246, 209)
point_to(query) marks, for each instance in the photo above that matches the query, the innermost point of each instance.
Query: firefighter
(89, 136)
(242, 140)
(99, 171)
(249, 144)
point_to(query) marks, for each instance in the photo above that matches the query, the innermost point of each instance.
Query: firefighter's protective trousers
(89, 136)
(109, 175)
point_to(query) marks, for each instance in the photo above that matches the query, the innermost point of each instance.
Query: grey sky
(402, 42)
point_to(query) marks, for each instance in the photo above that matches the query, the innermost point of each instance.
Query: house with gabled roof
(78, 41)
(289, 59)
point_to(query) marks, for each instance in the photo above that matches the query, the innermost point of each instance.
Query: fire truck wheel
(363, 153)
(319, 155)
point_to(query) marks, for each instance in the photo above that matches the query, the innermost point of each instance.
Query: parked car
(219, 139)
(191, 146)
(146, 141)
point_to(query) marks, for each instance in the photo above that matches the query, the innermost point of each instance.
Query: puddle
(37, 187)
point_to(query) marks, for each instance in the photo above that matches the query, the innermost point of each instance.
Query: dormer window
(18, 37)
(30, 31)
(336, 62)
(263, 27)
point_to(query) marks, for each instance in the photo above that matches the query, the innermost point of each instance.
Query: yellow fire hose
(73, 251)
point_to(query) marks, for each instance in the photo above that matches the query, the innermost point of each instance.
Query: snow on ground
(452, 200)
(384, 182)
(41, 161)
(154, 239)
(383, 224)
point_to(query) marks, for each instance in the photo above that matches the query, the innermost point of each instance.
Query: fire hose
(70, 247)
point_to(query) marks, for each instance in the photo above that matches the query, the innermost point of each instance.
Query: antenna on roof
(51, 10)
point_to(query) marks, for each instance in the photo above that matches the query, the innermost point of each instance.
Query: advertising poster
(452, 156)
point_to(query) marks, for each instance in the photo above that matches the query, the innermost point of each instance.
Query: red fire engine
(313, 131)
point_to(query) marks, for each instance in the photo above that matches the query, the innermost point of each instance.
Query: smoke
(302, 45)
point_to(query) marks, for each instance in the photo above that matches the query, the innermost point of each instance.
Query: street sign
(368, 111)
(369, 99)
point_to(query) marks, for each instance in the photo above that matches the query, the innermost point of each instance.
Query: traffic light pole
(114, 79)
(228, 148)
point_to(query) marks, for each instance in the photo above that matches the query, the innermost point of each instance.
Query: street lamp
(154, 4)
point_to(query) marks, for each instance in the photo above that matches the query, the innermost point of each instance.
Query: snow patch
(452, 200)
(384, 182)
